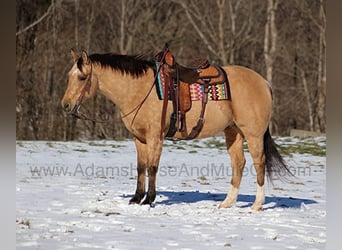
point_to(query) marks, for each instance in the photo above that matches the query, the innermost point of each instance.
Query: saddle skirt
(218, 87)
(183, 84)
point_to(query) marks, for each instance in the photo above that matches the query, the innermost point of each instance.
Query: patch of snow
(74, 195)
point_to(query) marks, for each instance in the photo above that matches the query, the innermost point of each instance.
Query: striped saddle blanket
(218, 87)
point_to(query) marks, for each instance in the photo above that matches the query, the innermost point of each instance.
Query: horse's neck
(124, 90)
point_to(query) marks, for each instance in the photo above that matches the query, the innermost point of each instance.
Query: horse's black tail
(275, 164)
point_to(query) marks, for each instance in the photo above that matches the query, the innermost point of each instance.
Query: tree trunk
(90, 22)
(270, 43)
(221, 23)
(77, 7)
(308, 100)
(321, 81)
(270, 39)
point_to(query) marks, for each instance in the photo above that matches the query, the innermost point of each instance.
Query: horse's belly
(217, 117)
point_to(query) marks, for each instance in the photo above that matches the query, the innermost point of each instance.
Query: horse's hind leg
(256, 149)
(141, 168)
(234, 140)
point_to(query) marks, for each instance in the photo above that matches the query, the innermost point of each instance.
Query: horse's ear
(74, 55)
(85, 57)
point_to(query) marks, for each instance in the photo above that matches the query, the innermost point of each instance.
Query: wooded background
(283, 40)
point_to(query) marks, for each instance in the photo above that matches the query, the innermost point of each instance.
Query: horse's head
(82, 83)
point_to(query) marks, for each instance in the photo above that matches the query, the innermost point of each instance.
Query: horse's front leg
(141, 168)
(154, 149)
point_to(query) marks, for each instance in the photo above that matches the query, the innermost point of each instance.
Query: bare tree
(270, 39)
(283, 40)
(322, 74)
(270, 48)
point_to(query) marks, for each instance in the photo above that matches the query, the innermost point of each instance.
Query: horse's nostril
(66, 107)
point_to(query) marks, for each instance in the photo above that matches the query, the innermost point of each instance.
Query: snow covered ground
(74, 195)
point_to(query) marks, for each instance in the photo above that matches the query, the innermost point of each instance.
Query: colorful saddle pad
(217, 91)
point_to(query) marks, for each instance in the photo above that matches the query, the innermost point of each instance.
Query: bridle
(86, 89)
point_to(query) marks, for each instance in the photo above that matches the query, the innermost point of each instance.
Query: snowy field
(74, 195)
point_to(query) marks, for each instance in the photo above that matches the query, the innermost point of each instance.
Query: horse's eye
(82, 78)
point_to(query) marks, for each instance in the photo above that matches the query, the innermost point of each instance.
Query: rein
(149, 92)
(75, 111)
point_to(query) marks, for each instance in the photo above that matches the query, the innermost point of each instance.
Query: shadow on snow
(173, 197)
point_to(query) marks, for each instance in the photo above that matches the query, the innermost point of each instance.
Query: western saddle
(177, 87)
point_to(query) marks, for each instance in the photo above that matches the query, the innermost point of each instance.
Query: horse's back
(251, 98)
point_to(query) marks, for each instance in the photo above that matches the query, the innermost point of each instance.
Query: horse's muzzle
(67, 107)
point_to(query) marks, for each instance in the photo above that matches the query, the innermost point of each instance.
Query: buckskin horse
(129, 81)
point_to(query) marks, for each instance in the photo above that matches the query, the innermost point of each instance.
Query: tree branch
(195, 26)
(35, 22)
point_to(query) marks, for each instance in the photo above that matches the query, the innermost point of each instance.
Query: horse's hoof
(226, 204)
(134, 200)
(149, 199)
(223, 206)
(257, 207)
(147, 202)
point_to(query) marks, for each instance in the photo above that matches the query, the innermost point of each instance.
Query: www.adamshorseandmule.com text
(183, 170)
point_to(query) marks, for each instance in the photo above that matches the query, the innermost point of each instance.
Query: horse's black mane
(136, 65)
